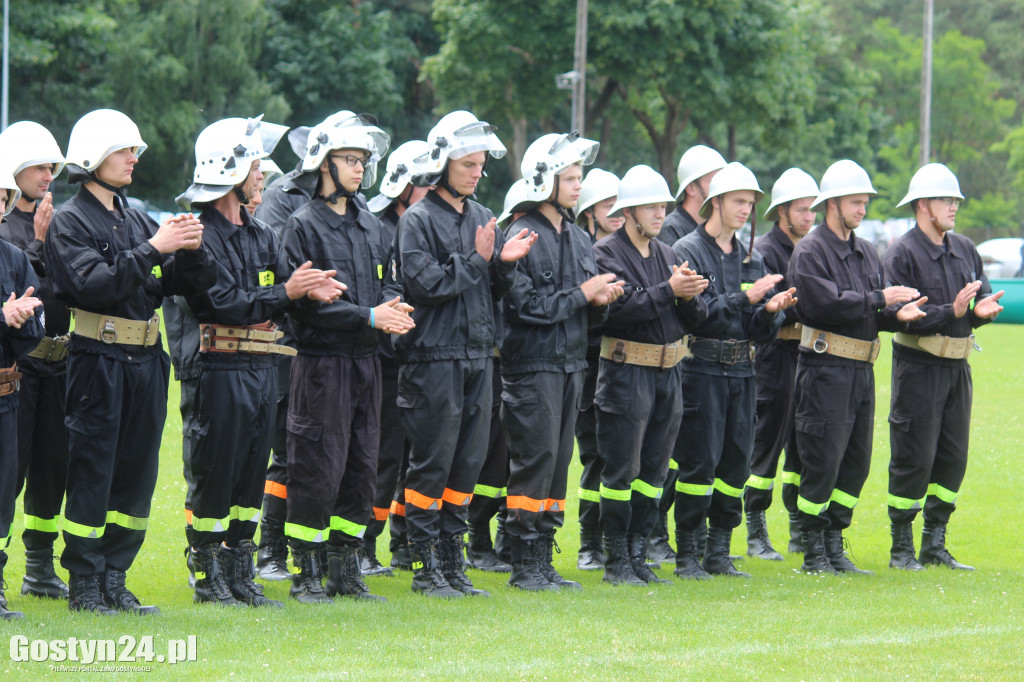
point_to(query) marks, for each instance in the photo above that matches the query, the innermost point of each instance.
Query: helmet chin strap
(443, 182)
(118, 191)
(339, 190)
(566, 213)
(240, 193)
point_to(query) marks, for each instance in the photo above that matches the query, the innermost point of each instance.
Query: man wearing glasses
(929, 421)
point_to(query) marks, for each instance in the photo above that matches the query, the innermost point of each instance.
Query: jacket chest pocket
(544, 277)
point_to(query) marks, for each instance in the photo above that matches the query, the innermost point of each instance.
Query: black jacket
(18, 229)
(776, 249)
(16, 276)
(546, 314)
(677, 225)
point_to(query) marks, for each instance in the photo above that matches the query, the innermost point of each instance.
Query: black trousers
(116, 405)
(391, 455)
(333, 436)
(835, 416)
(713, 449)
(775, 365)
(590, 456)
(539, 413)
(445, 411)
(275, 487)
(230, 430)
(185, 405)
(637, 422)
(8, 472)
(492, 483)
(929, 429)
(42, 449)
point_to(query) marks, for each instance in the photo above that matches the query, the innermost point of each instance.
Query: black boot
(84, 595)
(526, 573)
(368, 564)
(933, 548)
(590, 556)
(815, 559)
(796, 545)
(716, 555)
(759, 545)
(638, 549)
(901, 555)
(40, 579)
(658, 549)
(687, 558)
(702, 538)
(118, 596)
(211, 584)
(548, 547)
(191, 568)
(837, 556)
(428, 579)
(344, 578)
(307, 584)
(502, 540)
(272, 554)
(453, 566)
(239, 577)
(401, 558)
(618, 569)
(480, 553)
(5, 613)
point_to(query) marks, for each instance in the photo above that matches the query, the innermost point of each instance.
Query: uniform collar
(336, 221)
(934, 251)
(736, 246)
(781, 238)
(842, 247)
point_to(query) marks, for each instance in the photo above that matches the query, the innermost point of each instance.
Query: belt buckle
(729, 359)
(668, 359)
(109, 333)
(619, 354)
(876, 346)
(820, 345)
(206, 337)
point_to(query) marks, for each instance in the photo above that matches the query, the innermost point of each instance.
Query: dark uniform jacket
(386, 348)
(938, 272)
(102, 261)
(452, 288)
(730, 313)
(355, 246)
(839, 289)
(288, 194)
(16, 276)
(641, 313)
(775, 249)
(546, 313)
(677, 225)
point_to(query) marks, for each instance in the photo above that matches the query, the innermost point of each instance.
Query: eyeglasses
(950, 202)
(351, 161)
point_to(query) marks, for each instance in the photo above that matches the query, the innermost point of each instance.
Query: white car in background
(1002, 257)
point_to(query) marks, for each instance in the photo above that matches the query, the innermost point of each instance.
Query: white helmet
(932, 181)
(843, 178)
(734, 177)
(641, 185)
(99, 134)
(516, 201)
(26, 143)
(792, 185)
(10, 190)
(597, 186)
(549, 155)
(695, 163)
(345, 130)
(456, 135)
(398, 173)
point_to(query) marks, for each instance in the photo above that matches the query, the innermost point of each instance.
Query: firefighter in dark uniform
(334, 402)
(34, 158)
(639, 394)
(716, 435)
(21, 329)
(113, 265)
(930, 415)
(697, 167)
(842, 306)
(597, 196)
(775, 367)
(453, 264)
(397, 193)
(557, 294)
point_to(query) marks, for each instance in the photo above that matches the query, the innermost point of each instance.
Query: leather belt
(110, 329)
(951, 347)
(841, 346)
(256, 338)
(9, 378)
(645, 354)
(52, 348)
(724, 351)
(791, 332)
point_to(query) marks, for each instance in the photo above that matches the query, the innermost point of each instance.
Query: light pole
(576, 80)
(926, 84)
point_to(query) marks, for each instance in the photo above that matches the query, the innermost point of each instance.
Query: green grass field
(780, 624)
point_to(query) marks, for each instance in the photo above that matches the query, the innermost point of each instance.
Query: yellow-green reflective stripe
(202, 525)
(808, 507)
(251, 514)
(294, 530)
(760, 482)
(347, 527)
(612, 494)
(125, 521)
(904, 503)
(157, 271)
(845, 499)
(726, 489)
(698, 489)
(945, 494)
(503, 492)
(589, 495)
(81, 531)
(647, 490)
(790, 478)
(673, 465)
(487, 491)
(40, 524)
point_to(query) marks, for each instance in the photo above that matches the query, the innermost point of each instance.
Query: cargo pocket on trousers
(305, 428)
(812, 427)
(900, 422)
(411, 401)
